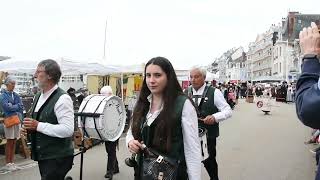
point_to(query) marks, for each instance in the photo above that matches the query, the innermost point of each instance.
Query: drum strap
(204, 95)
(196, 97)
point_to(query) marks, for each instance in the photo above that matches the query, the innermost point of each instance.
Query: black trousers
(112, 165)
(210, 163)
(55, 169)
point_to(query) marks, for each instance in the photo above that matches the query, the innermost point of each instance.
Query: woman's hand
(134, 146)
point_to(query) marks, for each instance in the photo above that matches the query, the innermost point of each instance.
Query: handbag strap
(161, 157)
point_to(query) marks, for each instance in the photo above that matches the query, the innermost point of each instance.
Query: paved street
(251, 146)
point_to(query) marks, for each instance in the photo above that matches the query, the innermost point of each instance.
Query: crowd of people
(232, 92)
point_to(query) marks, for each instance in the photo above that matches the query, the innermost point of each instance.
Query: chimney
(283, 22)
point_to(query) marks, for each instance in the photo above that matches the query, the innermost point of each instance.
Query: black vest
(205, 108)
(177, 148)
(177, 138)
(44, 146)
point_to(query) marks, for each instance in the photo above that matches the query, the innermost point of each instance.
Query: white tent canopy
(135, 68)
(67, 67)
(18, 66)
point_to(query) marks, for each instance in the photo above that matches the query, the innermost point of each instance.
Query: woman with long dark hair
(165, 120)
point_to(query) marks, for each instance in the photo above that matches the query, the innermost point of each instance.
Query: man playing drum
(212, 109)
(112, 166)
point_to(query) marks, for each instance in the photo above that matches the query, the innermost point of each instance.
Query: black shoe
(116, 171)
(130, 162)
(108, 175)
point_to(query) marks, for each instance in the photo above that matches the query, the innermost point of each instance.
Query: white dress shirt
(224, 109)
(63, 110)
(191, 142)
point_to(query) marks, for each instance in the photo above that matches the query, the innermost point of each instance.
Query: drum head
(111, 119)
(114, 115)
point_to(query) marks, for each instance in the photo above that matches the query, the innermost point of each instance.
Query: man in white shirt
(212, 109)
(51, 125)
(112, 165)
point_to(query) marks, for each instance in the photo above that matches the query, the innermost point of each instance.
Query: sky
(187, 32)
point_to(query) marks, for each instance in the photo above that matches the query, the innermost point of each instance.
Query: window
(280, 67)
(280, 52)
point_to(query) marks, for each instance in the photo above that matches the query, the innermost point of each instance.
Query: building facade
(236, 66)
(287, 55)
(259, 56)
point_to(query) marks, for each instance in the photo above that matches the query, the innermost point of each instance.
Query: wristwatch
(307, 57)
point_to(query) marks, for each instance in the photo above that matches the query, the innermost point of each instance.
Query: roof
(295, 22)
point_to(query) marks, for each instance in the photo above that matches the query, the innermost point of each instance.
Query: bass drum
(109, 117)
(203, 143)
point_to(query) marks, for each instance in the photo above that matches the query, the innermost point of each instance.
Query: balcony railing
(261, 67)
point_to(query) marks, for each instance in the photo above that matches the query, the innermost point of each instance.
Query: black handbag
(158, 167)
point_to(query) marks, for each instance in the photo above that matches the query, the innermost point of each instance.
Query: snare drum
(110, 117)
(203, 141)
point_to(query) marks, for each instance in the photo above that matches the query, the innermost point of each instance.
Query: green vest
(177, 139)
(207, 107)
(44, 146)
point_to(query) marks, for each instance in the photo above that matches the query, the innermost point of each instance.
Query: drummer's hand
(134, 146)
(30, 124)
(209, 120)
